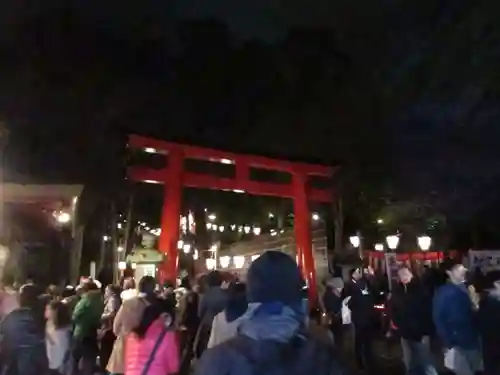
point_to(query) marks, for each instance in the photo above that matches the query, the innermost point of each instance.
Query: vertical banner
(391, 265)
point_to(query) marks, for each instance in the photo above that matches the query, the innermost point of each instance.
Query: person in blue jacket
(272, 337)
(455, 319)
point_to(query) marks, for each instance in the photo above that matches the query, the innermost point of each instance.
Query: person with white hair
(332, 304)
(129, 290)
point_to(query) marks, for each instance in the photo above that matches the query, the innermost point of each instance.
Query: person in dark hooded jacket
(273, 335)
(22, 345)
(212, 302)
(360, 301)
(411, 312)
(225, 324)
(489, 311)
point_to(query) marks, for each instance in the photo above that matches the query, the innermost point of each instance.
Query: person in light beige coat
(128, 317)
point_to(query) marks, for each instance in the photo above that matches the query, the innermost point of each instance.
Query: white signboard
(485, 260)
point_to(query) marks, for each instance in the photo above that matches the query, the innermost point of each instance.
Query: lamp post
(424, 242)
(392, 242)
(356, 243)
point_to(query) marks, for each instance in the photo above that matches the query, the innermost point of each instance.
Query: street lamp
(355, 241)
(379, 247)
(210, 263)
(224, 261)
(63, 217)
(424, 242)
(380, 221)
(392, 242)
(239, 261)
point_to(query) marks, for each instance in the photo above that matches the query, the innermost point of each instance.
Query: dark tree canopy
(403, 95)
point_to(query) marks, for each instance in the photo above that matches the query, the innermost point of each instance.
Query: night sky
(408, 93)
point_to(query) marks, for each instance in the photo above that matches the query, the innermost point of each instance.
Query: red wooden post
(302, 227)
(170, 222)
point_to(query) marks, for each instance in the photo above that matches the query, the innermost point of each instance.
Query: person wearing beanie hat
(274, 277)
(211, 303)
(361, 303)
(272, 337)
(275, 296)
(332, 302)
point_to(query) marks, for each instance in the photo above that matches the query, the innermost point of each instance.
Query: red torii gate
(174, 177)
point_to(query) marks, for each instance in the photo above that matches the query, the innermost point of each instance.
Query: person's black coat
(361, 303)
(411, 310)
(332, 302)
(489, 311)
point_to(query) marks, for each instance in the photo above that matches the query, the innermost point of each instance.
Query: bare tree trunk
(128, 225)
(338, 219)
(114, 242)
(102, 252)
(281, 215)
(76, 254)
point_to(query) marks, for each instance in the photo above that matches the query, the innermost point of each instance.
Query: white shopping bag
(458, 359)
(346, 311)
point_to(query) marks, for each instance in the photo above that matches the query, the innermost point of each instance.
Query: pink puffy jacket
(138, 351)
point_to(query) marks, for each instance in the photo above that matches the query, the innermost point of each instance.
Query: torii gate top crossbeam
(242, 163)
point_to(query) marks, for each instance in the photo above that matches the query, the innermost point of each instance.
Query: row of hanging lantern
(247, 229)
(187, 224)
(229, 262)
(424, 242)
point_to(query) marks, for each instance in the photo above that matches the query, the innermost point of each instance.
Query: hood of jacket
(272, 322)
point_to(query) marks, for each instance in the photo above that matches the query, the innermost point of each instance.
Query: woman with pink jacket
(151, 348)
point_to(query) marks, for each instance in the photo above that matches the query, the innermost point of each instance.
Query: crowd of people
(222, 327)
(264, 326)
(442, 311)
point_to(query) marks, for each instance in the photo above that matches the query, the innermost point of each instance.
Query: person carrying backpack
(272, 336)
(22, 338)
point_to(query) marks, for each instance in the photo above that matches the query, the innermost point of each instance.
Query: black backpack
(301, 356)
